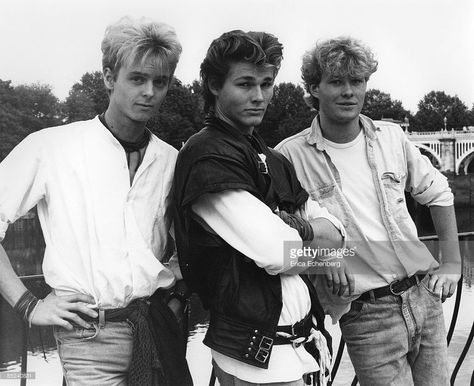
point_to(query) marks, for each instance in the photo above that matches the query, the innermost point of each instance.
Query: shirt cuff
(313, 210)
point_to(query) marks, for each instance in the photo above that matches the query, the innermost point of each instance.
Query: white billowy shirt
(104, 236)
(250, 226)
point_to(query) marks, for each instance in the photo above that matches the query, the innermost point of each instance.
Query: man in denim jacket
(388, 297)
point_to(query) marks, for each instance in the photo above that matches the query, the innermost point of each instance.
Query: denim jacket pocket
(394, 187)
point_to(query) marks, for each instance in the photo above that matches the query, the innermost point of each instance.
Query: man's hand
(444, 280)
(62, 310)
(337, 277)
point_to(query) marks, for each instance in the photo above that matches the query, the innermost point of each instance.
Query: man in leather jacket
(240, 215)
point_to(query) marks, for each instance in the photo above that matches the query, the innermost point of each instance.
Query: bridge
(450, 151)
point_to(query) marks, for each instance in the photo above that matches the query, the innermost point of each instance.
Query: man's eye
(244, 84)
(160, 83)
(137, 79)
(336, 82)
(267, 84)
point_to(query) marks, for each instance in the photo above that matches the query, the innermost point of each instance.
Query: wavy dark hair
(259, 48)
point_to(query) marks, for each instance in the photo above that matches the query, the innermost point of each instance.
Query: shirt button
(246, 355)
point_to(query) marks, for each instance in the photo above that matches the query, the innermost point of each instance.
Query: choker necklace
(128, 146)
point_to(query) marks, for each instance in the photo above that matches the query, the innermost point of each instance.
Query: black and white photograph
(237, 193)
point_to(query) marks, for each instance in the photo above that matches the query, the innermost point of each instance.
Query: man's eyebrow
(245, 77)
(146, 74)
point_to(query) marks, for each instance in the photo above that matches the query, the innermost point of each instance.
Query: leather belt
(301, 329)
(396, 288)
(113, 314)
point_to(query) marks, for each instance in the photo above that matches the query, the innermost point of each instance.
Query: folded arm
(250, 226)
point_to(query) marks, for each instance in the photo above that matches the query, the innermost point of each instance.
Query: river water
(24, 245)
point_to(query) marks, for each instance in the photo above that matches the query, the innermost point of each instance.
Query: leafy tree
(435, 106)
(287, 114)
(78, 106)
(92, 85)
(39, 105)
(180, 115)
(380, 105)
(471, 116)
(23, 110)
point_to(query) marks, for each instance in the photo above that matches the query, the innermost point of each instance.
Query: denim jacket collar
(315, 136)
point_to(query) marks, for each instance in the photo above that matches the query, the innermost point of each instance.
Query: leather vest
(244, 300)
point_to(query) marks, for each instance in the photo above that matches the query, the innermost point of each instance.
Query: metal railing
(340, 351)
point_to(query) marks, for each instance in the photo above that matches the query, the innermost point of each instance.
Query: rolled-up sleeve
(313, 210)
(424, 182)
(21, 182)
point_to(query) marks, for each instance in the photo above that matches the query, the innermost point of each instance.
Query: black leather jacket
(244, 300)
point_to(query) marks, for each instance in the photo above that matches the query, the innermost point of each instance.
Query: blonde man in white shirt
(102, 189)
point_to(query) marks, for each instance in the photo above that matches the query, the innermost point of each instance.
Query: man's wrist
(25, 305)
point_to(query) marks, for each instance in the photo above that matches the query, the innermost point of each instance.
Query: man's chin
(253, 122)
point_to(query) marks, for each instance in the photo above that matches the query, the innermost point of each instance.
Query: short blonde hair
(130, 41)
(341, 56)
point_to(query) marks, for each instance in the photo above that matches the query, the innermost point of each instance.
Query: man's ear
(314, 90)
(109, 79)
(213, 86)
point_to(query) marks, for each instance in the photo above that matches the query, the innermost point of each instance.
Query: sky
(421, 45)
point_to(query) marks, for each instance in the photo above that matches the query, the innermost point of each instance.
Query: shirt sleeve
(312, 210)
(249, 226)
(21, 182)
(424, 182)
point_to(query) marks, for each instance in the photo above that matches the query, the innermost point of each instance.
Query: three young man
(102, 189)
(392, 320)
(234, 199)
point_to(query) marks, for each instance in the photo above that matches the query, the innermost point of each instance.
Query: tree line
(28, 108)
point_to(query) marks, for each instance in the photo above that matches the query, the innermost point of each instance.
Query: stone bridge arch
(465, 161)
(429, 150)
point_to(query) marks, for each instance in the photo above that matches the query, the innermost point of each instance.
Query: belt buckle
(391, 289)
(262, 355)
(266, 343)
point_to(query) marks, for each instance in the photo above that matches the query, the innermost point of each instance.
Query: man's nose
(257, 94)
(347, 89)
(148, 89)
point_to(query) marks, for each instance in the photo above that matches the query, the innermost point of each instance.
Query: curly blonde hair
(342, 56)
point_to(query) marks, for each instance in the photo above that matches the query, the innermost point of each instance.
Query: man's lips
(347, 104)
(255, 110)
(146, 105)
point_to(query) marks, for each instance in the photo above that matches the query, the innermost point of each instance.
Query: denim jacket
(397, 166)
